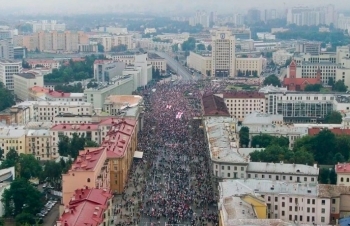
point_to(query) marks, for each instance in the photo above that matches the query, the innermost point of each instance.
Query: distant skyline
(88, 6)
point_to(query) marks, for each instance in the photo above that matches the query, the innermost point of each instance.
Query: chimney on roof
(65, 223)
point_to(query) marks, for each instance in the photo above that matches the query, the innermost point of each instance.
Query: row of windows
(277, 177)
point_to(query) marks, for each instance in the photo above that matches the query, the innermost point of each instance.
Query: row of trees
(272, 80)
(247, 73)
(325, 148)
(71, 146)
(73, 71)
(338, 86)
(76, 88)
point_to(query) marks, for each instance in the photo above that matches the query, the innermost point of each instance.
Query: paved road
(52, 216)
(176, 66)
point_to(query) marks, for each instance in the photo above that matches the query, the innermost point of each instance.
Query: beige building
(47, 63)
(223, 54)
(53, 41)
(240, 104)
(157, 62)
(39, 144)
(110, 41)
(201, 62)
(343, 174)
(13, 137)
(249, 66)
(23, 82)
(8, 68)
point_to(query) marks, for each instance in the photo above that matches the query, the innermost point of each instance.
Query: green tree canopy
(339, 86)
(76, 88)
(272, 80)
(119, 48)
(25, 219)
(29, 166)
(209, 47)
(21, 197)
(6, 96)
(334, 117)
(189, 44)
(313, 87)
(244, 136)
(265, 140)
(200, 47)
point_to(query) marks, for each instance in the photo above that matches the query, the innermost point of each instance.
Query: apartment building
(343, 174)
(88, 206)
(6, 49)
(201, 62)
(39, 144)
(123, 85)
(240, 104)
(106, 70)
(46, 25)
(157, 62)
(13, 137)
(23, 82)
(251, 66)
(53, 41)
(89, 169)
(300, 107)
(47, 63)
(273, 125)
(42, 111)
(281, 56)
(8, 68)
(228, 161)
(70, 118)
(304, 203)
(313, 48)
(110, 41)
(121, 145)
(88, 48)
(223, 54)
(149, 44)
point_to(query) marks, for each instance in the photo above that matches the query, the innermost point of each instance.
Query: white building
(7, 49)
(201, 18)
(46, 63)
(24, 81)
(223, 54)
(150, 31)
(281, 56)
(46, 25)
(266, 36)
(343, 174)
(106, 70)
(114, 30)
(8, 68)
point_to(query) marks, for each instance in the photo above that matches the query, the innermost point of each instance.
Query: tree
(25, 64)
(11, 159)
(189, 44)
(63, 146)
(119, 48)
(313, 88)
(100, 48)
(25, 218)
(244, 136)
(330, 82)
(333, 117)
(332, 176)
(338, 157)
(21, 197)
(6, 96)
(76, 88)
(209, 47)
(29, 166)
(200, 47)
(323, 176)
(288, 61)
(272, 80)
(175, 47)
(52, 172)
(339, 86)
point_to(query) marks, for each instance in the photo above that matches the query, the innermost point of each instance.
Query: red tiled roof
(243, 95)
(300, 81)
(102, 61)
(342, 168)
(58, 94)
(39, 89)
(118, 138)
(86, 208)
(214, 106)
(336, 131)
(69, 127)
(87, 159)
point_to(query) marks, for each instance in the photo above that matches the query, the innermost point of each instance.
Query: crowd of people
(173, 184)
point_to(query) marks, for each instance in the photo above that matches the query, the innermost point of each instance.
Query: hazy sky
(79, 6)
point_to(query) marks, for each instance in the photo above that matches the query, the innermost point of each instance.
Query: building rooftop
(86, 207)
(330, 190)
(7, 61)
(282, 168)
(118, 137)
(243, 95)
(222, 140)
(271, 88)
(71, 115)
(87, 159)
(336, 131)
(262, 118)
(280, 129)
(213, 105)
(230, 187)
(124, 100)
(39, 125)
(41, 61)
(342, 168)
(154, 56)
(39, 89)
(12, 131)
(38, 133)
(80, 126)
(103, 61)
(28, 75)
(54, 103)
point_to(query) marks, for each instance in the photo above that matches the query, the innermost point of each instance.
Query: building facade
(201, 62)
(8, 68)
(23, 82)
(249, 66)
(223, 54)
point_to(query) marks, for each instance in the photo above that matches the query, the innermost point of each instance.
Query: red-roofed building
(89, 169)
(239, 104)
(336, 131)
(58, 95)
(343, 174)
(213, 105)
(298, 84)
(87, 206)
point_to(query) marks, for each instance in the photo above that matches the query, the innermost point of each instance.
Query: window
(88, 180)
(313, 201)
(290, 217)
(341, 179)
(291, 200)
(323, 210)
(222, 167)
(323, 202)
(283, 204)
(228, 167)
(308, 210)
(248, 175)
(276, 207)
(313, 210)
(283, 213)
(322, 219)
(228, 175)
(333, 201)
(308, 201)
(290, 208)
(276, 199)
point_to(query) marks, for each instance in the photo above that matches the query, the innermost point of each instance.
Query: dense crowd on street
(173, 184)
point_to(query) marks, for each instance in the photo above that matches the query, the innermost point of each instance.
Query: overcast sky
(71, 6)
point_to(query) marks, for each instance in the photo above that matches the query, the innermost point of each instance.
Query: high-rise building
(8, 68)
(223, 53)
(304, 16)
(201, 18)
(253, 16)
(46, 25)
(6, 49)
(238, 19)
